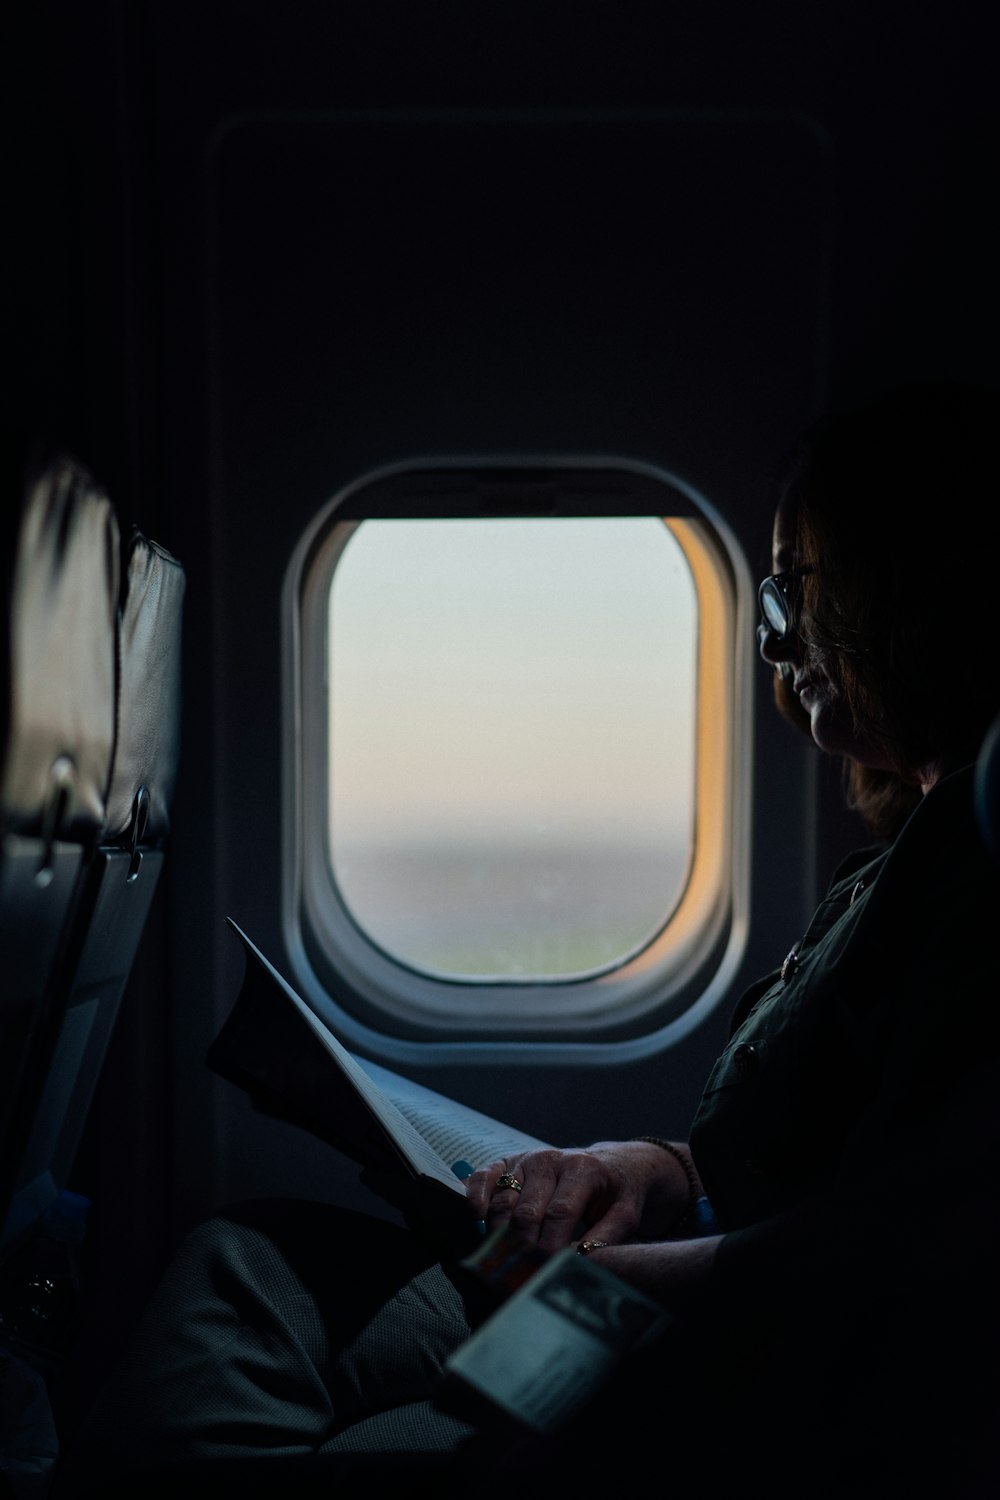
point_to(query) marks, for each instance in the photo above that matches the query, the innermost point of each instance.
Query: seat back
(115, 883)
(60, 599)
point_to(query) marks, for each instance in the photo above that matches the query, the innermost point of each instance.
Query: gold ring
(508, 1180)
(585, 1246)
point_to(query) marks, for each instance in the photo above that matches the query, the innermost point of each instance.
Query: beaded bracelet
(689, 1172)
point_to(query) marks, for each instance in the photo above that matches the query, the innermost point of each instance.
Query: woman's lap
(281, 1329)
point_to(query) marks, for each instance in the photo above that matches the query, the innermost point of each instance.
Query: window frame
(658, 993)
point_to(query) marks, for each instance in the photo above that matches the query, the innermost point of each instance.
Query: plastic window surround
(654, 998)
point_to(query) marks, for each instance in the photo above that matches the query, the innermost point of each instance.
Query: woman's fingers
(547, 1195)
(482, 1186)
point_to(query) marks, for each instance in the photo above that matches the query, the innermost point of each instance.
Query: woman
(833, 1329)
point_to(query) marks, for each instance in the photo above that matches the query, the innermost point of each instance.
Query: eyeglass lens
(774, 607)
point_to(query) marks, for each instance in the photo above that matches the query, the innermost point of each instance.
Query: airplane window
(511, 740)
(513, 809)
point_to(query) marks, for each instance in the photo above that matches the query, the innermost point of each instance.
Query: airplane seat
(57, 698)
(118, 883)
(148, 735)
(89, 760)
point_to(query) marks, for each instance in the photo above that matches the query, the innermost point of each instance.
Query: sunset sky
(512, 680)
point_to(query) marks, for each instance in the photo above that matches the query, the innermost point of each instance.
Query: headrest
(61, 604)
(148, 737)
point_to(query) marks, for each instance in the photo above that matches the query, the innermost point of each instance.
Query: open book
(557, 1329)
(276, 1048)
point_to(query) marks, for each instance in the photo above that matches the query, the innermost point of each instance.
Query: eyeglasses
(778, 600)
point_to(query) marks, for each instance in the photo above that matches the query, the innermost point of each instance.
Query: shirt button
(746, 1058)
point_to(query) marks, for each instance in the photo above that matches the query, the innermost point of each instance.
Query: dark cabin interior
(255, 251)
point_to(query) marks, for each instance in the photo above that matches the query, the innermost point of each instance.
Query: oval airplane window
(514, 807)
(512, 740)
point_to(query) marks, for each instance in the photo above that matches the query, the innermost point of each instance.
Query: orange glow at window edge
(701, 906)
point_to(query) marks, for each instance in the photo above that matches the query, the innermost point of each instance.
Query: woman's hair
(889, 505)
(882, 799)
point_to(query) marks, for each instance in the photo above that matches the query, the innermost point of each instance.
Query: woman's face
(814, 677)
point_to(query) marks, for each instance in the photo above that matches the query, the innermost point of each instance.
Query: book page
(363, 1108)
(454, 1130)
(416, 1152)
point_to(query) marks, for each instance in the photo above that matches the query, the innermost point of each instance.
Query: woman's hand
(612, 1191)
